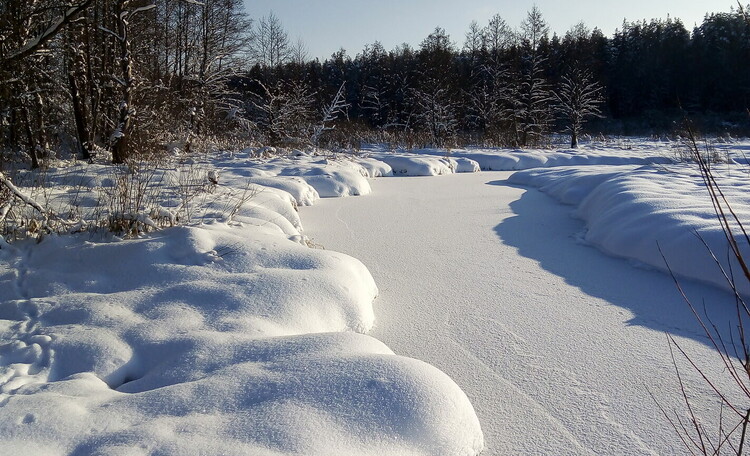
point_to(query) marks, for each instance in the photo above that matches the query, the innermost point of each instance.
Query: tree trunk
(574, 139)
(121, 135)
(41, 126)
(80, 116)
(32, 146)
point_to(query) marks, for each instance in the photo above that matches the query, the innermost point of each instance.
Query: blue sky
(327, 25)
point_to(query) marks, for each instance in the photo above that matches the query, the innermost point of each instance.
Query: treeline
(141, 76)
(513, 86)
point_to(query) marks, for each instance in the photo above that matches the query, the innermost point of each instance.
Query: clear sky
(327, 25)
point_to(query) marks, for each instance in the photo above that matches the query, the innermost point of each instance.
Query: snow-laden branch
(33, 45)
(337, 107)
(21, 195)
(110, 32)
(26, 199)
(5, 210)
(142, 9)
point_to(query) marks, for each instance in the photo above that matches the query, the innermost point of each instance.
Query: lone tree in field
(578, 99)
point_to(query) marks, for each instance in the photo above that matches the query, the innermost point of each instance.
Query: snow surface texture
(556, 344)
(307, 177)
(635, 211)
(230, 337)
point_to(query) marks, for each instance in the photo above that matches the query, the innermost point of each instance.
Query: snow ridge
(634, 211)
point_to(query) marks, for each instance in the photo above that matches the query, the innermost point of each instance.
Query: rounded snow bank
(319, 394)
(375, 168)
(330, 178)
(511, 160)
(634, 212)
(409, 164)
(215, 339)
(233, 337)
(306, 177)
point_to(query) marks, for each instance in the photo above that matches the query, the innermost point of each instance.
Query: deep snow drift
(634, 212)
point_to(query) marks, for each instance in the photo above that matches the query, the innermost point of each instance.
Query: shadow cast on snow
(544, 230)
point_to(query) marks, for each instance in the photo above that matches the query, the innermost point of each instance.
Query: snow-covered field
(234, 335)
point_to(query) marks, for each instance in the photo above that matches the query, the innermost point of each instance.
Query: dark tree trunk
(81, 118)
(120, 146)
(32, 145)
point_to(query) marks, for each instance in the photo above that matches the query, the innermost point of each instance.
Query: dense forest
(126, 77)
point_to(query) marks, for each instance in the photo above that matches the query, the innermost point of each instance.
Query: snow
(415, 165)
(642, 152)
(236, 333)
(325, 178)
(409, 164)
(304, 193)
(230, 336)
(375, 168)
(556, 345)
(635, 211)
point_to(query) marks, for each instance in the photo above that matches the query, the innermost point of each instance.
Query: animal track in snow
(25, 352)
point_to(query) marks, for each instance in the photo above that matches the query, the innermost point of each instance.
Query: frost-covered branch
(40, 40)
(27, 200)
(21, 195)
(331, 112)
(578, 99)
(282, 111)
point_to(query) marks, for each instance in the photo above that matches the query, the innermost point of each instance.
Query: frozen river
(555, 343)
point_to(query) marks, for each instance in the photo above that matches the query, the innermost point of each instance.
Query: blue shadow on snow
(544, 230)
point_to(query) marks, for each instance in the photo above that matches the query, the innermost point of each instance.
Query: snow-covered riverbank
(234, 336)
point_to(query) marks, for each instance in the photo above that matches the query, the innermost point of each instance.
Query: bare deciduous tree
(31, 42)
(474, 43)
(498, 36)
(271, 46)
(578, 100)
(125, 11)
(283, 111)
(436, 113)
(298, 52)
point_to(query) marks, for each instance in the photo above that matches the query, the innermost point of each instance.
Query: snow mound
(569, 185)
(404, 164)
(408, 164)
(304, 194)
(375, 168)
(330, 178)
(517, 159)
(231, 336)
(499, 160)
(465, 165)
(209, 340)
(633, 212)
(307, 177)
